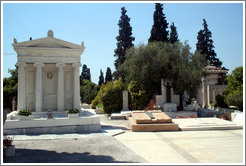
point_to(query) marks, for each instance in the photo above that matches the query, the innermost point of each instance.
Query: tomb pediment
(48, 50)
(47, 42)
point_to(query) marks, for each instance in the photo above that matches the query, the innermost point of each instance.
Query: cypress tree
(205, 45)
(173, 34)
(108, 76)
(101, 78)
(85, 74)
(159, 29)
(124, 41)
(88, 75)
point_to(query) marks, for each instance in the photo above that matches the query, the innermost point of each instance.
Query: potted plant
(225, 116)
(212, 105)
(8, 147)
(24, 114)
(73, 113)
(179, 117)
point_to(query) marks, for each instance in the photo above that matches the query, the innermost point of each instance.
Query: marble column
(21, 86)
(204, 92)
(60, 91)
(76, 91)
(39, 80)
(125, 100)
(214, 96)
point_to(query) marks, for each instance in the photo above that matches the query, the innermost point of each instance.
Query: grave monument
(213, 84)
(168, 100)
(48, 84)
(48, 74)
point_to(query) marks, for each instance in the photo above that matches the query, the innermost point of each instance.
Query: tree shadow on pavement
(44, 156)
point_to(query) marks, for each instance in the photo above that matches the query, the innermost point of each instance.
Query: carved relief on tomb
(50, 82)
(50, 87)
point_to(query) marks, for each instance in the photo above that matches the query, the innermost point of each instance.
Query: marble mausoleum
(48, 74)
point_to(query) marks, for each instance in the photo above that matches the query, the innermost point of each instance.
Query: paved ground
(224, 146)
(91, 148)
(117, 144)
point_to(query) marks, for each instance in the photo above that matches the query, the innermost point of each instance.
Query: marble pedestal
(169, 107)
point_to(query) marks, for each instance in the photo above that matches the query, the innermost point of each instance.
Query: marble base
(53, 126)
(169, 107)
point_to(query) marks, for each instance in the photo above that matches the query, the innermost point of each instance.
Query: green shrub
(236, 100)
(88, 91)
(99, 105)
(72, 111)
(138, 96)
(220, 101)
(98, 98)
(95, 102)
(25, 112)
(112, 96)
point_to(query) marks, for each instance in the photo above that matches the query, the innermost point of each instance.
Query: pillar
(39, 80)
(21, 86)
(214, 96)
(60, 91)
(76, 91)
(125, 100)
(204, 92)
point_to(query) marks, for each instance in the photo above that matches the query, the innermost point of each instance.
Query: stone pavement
(72, 148)
(117, 144)
(214, 146)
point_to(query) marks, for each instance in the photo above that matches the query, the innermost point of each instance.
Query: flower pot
(22, 117)
(73, 115)
(192, 116)
(179, 117)
(10, 151)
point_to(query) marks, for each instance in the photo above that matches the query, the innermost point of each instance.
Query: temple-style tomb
(48, 74)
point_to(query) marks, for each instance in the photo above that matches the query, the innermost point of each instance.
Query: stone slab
(169, 107)
(116, 116)
(153, 127)
(142, 117)
(196, 124)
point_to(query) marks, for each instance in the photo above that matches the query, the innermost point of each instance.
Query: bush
(98, 98)
(111, 96)
(138, 96)
(88, 91)
(236, 100)
(220, 101)
(24, 112)
(234, 92)
(72, 111)
(95, 102)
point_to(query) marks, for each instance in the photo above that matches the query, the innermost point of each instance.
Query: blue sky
(96, 25)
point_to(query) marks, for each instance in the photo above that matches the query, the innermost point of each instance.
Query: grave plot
(151, 121)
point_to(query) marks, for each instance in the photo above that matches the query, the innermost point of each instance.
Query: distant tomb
(213, 84)
(167, 100)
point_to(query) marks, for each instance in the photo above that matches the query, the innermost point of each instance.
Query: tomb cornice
(21, 64)
(76, 65)
(38, 64)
